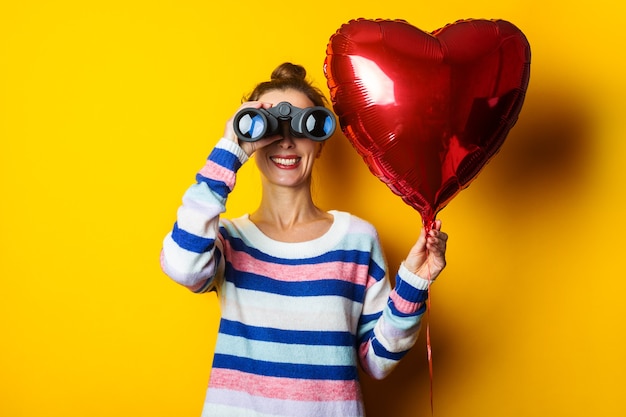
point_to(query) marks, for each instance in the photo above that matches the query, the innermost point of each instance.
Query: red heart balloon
(427, 111)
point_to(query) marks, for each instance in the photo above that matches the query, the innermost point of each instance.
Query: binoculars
(316, 123)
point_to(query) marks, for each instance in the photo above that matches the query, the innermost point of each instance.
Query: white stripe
(327, 313)
(181, 262)
(234, 148)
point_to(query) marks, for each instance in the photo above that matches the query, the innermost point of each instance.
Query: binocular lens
(319, 124)
(252, 125)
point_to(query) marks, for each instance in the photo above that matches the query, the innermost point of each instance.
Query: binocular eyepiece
(316, 123)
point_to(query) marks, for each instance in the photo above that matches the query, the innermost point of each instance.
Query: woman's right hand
(248, 147)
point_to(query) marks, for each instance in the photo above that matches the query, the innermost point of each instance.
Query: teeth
(286, 161)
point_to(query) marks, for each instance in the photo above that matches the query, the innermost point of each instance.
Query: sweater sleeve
(393, 320)
(191, 252)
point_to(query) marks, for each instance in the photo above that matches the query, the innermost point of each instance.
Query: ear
(319, 149)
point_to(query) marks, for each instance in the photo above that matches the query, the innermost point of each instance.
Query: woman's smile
(286, 161)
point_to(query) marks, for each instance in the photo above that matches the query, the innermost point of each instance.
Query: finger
(435, 228)
(254, 104)
(438, 242)
(252, 147)
(421, 239)
(268, 140)
(438, 234)
(436, 250)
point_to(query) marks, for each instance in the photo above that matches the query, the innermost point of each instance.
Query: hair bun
(288, 76)
(288, 70)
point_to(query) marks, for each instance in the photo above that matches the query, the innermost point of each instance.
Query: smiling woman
(304, 293)
(106, 107)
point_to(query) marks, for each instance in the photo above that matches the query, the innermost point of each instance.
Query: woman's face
(288, 161)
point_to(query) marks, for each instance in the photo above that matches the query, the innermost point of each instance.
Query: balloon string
(429, 350)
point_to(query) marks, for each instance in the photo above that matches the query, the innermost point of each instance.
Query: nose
(286, 140)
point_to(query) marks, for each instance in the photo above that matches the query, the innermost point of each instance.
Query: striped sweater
(297, 319)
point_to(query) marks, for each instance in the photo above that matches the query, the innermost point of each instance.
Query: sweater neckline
(336, 232)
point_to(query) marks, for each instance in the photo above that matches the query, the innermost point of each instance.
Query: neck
(286, 206)
(288, 214)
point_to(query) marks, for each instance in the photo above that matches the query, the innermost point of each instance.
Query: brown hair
(289, 76)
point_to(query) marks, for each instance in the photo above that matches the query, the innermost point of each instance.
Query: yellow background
(107, 110)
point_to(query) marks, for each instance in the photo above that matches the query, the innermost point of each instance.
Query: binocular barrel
(316, 123)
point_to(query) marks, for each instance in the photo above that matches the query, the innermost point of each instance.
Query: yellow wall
(108, 108)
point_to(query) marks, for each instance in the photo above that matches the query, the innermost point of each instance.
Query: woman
(304, 293)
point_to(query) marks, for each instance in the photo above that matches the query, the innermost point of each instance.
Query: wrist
(418, 280)
(233, 148)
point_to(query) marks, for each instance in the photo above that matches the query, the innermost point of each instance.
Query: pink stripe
(363, 353)
(371, 363)
(371, 281)
(403, 305)
(284, 388)
(345, 271)
(213, 170)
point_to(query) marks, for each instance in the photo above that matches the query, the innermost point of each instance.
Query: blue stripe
(398, 313)
(299, 337)
(409, 292)
(285, 370)
(368, 318)
(367, 322)
(376, 271)
(366, 336)
(191, 242)
(218, 187)
(381, 352)
(225, 159)
(323, 287)
(351, 256)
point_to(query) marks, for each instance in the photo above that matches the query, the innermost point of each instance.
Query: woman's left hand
(427, 258)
